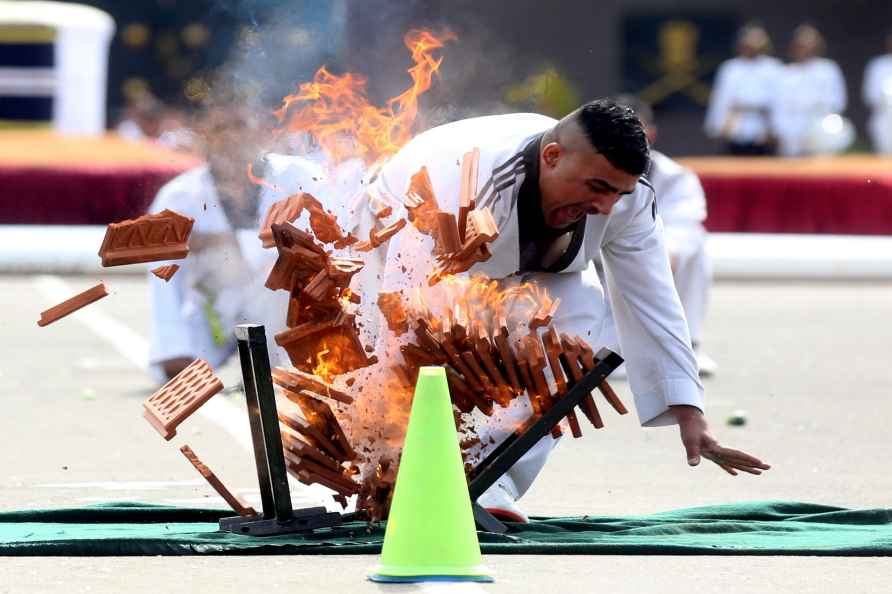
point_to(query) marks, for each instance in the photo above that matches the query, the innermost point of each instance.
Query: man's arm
(650, 322)
(654, 339)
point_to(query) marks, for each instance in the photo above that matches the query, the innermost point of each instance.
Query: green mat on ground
(756, 528)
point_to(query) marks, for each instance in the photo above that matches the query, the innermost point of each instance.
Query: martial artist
(811, 87)
(740, 105)
(562, 193)
(877, 94)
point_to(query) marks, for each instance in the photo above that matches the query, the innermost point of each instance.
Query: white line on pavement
(135, 349)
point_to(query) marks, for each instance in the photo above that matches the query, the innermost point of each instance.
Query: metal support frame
(277, 516)
(507, 453)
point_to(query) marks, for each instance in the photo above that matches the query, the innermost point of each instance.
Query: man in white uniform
(811, 88)
(561, 194)
(877, 94)
(221, 281)
(681, 203)
(740, 105)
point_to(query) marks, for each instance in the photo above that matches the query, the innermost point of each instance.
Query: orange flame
(478, 301)
(324, 368)
(335, 110)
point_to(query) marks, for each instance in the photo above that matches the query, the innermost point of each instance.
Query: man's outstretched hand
(699, 442)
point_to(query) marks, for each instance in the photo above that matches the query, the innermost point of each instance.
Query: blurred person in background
(877, 93)
(811, 88)
(221, 281)
(141, 119)
(681, 203)
(739, 110)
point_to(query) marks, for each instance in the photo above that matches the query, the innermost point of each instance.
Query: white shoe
(501, 504)
(708, 366)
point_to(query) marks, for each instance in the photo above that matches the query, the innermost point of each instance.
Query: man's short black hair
(615, 132)
(641, 108)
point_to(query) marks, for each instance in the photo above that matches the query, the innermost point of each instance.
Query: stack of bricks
(318, 285)
(315, 446)
(487, 369)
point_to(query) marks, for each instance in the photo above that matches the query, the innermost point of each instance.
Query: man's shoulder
(663, 165)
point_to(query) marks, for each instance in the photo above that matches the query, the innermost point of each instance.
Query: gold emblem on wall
(679, 67)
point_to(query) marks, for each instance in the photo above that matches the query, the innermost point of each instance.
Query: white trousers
(693, 277)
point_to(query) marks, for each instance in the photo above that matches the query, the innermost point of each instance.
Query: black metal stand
(277, 516)
(503, 457)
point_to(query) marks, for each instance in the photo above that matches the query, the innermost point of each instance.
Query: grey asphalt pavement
(809, 363)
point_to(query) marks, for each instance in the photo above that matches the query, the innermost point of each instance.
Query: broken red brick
(165, 273)
(320, 415)
(545, 313)
(447, 237)
(379, 236)
(421, 203)
(296, 447)
(237, 504)
(470, 165)
(391, 306)
(572, 353)
(72, 304)
(149, 238)
(180, 397)
(296, 381)
(283, 211)
(311, 433)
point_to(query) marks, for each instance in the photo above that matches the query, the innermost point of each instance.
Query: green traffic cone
(430, 533)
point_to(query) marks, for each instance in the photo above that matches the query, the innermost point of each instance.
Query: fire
(336, 113)
(478, 301)
(324, 368)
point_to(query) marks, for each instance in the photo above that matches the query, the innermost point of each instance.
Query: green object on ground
(751, 528)
(430, 531)
(216, 326)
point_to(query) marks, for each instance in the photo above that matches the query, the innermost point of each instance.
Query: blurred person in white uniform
(811, 88)
(877, 93)
(742, 98)
(221, 281)
(681, 203)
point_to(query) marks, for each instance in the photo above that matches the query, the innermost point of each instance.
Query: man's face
(232, 140)
(574, 184)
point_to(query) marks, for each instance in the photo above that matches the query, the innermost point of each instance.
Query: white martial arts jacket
(652, 331)
(808, 91)
(681, 204)
(227, 275)
(877, 93)
(742, 99)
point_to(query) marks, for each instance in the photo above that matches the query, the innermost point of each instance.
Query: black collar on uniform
(535, 237)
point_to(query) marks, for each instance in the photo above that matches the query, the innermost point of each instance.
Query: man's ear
(551, 153)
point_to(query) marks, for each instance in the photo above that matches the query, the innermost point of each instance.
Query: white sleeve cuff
(653, 406)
